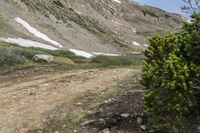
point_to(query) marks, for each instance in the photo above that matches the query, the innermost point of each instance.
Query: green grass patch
(13, 55)
(117, 60)
(63, 53)
(62, 60)
(150, 34)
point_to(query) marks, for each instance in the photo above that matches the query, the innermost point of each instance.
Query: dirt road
(24, 101)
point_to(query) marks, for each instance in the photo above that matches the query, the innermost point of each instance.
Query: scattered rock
(105, 131)
(101, 121)
(108, 101)
(102, 93)
(174, 129)
(45, 84)
(90, 112)
(31, 93)
(75, 131)
(139, 120)
(113, 99)
(100, 110)
(110, 114)
(43, 58)
(125, 115)
(143, 127)
(141, 114)
(152, 131)
(88, 122)
(79, 104)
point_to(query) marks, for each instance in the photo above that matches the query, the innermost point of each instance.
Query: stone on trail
(139, 120)
(105, 131)
(88, 122)
(143, 127)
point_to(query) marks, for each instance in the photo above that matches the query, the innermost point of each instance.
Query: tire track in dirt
(23, 102)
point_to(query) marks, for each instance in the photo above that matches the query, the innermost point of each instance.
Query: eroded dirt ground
(27, 101)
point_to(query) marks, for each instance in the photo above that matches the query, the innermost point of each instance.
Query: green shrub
(191, 35)
(171, 73)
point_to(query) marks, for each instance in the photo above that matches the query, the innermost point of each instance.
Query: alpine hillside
(94, 26)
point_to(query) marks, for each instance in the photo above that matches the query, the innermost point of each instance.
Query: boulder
(43, 58)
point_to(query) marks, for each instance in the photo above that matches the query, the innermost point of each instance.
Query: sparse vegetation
(58, 3)
(147, 12)
(13, 56)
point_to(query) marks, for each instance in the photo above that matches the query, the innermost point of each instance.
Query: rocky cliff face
(110, 26)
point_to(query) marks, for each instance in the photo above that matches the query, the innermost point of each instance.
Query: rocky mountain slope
(108, 26)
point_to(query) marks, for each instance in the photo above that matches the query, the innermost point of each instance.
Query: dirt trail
(24, 102)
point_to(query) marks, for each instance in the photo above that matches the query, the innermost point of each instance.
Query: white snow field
(35, 32)
(27, 43)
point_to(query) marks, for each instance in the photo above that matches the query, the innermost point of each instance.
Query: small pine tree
(171, 72)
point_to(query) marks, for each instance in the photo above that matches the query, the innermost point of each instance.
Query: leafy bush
(172, 76)
(116, 60)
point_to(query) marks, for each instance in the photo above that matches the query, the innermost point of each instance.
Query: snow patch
(141, 4)
(78, 12)
(90, 54)
(136, 44)
(106, 54)
(116, 23)
(81, 53)
(187, 20)
(27, 43)
(134, 30)
(118, 1)
(36, 33)
(145, 45)
(138, 3)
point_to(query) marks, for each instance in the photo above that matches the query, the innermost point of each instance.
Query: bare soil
(27, 101)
